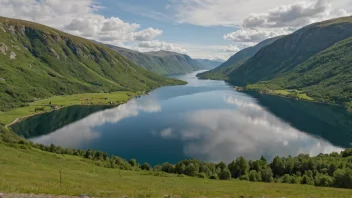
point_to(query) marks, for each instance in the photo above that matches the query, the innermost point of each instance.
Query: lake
(206, 120)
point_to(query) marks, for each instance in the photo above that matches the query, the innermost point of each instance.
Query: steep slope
(37, 62)
(161, 62)
(326, 76)
(286, 53)
(235, 61)
(209, 64)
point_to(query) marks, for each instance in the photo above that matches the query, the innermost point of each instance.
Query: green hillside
(37, 62)
(287, 52)
(326, 76)
(221, 72)
(311, 63)
(162, 62)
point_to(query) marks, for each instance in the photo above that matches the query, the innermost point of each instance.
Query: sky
(210, 29)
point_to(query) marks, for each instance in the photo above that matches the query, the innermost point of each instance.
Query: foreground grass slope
(37, 62)
(35, 171)
(162, 62)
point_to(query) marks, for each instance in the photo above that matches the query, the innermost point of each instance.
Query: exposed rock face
(55, 53)
(3, 48)
(12, 56)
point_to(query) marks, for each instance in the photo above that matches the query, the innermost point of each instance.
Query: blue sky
(212, 29)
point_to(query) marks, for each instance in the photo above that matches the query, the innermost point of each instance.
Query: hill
(161, 62)
(221, 72)
(209, 64)
(314, 60)
(37, 62)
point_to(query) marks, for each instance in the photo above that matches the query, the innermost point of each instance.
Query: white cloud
(79, 18)
(233, 12)
(231, 48)
(254, 35)
(294, 15)
(284, 19)
(156, 45)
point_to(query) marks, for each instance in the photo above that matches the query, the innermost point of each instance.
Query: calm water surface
(206, 120)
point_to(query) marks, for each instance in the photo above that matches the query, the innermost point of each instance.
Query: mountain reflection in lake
(206, 120)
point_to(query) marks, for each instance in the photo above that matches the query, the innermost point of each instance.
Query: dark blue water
(206, 120)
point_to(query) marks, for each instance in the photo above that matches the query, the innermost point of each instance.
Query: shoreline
(244, 90)
(59, 107)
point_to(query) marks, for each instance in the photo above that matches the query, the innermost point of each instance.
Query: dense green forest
(330, 170)
(37, 62)
(161, 62)
(235, 61)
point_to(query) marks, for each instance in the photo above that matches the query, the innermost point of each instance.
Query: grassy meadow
(36, 171)
(65, 101)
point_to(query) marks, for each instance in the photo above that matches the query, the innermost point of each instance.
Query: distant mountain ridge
(221, 72)
(161, 62)
(209, 64)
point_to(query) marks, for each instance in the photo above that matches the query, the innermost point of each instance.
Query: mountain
(235, 61)
(37, 61)
(161, 62)
(209, 64)
(315, 60)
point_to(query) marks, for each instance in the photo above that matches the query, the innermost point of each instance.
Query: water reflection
(81, 133)
(206, 120)
(249, 131)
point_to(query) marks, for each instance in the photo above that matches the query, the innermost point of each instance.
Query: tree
(343, 178)
(225, 174)
(254, 176)
(221, 165)
(146, 166)
(132, 162)
(238, 167)
(278, 166)
(267, 174)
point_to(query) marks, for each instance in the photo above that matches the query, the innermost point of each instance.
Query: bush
(225, 174)
(201, 175)
(146, 166)
(213, 176)
(286, 178)
(324, 180)
(254, 176)
(244, 177)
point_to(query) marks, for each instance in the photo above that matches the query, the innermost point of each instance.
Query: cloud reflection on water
(83, 131)
(248, 130)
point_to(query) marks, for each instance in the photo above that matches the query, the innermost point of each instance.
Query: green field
(64, 101)
(35, 171)
(281, 92)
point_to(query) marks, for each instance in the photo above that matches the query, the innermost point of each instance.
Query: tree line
(329, 170)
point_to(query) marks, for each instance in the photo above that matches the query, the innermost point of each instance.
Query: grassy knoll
(64, 101)
(36, 171)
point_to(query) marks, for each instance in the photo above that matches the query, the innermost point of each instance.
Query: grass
(281, 92)
(64, 101)
(35, 171)
(295, 93)
(349, 106)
